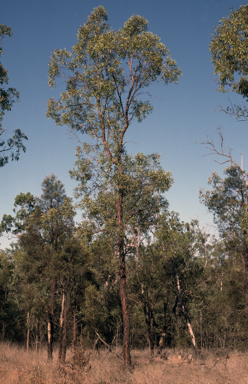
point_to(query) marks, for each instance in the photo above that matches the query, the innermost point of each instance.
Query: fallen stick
(110, 349)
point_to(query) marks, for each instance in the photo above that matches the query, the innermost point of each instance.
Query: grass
(17, 366)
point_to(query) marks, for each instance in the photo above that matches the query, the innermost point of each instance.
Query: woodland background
(60, 281)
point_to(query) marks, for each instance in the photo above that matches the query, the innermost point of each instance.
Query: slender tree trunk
(41, 335)
(123, 283)
(50, 320)
(3, 330)
(125, 316)
(36, 334)
(28, 330)
(117, 335)
(6, 291)
(74, 340)
(161, 341)
(61, 325)
(49, 337)
(245, 258)
(166, 326)
(148, 319)
(66, 311)
(185, 313)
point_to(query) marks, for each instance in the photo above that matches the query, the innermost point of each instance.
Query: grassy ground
(18, 366)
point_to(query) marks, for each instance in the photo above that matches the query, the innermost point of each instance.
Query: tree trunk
(186, 316)
(66, 311)
(36, 334)
(161, 341)
(28, 330)
(3, 330)
(74, 340)
(61, 325)
(65, 307)
(117, 336)
(49, 337)
(50, 321)
(41, 334)
(148, 319)
(125, 316)
(123, 282)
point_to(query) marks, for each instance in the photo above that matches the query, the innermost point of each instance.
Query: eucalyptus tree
(228, 48)
(13, 226)
(178, 243)
(44, 226)
(52, 220)
(228, 201)
(106, 74)
(6, 271)
(7, 97)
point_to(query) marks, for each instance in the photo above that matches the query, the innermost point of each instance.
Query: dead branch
(223, 152)
(240, 113)
(109, 347)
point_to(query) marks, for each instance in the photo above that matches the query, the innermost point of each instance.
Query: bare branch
(223, 152)
(240, 113)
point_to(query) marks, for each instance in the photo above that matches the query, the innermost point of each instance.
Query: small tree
(228, 201)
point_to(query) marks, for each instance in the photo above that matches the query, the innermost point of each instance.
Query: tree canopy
(229, 52)
(11, 147)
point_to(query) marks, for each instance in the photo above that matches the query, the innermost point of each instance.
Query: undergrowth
(83, 366)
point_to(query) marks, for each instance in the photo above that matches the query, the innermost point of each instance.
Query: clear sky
(182, 113)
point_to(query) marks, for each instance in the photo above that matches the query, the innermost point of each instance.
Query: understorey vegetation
(60, 281)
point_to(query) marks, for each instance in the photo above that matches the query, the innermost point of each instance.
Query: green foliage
(15, 225)
(228, 201)
(229, 51)
(107, 72)
(143, 183)
(7, 97)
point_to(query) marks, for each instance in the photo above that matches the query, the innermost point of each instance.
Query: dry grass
(18, 366)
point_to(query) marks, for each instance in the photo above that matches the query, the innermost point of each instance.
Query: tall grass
(19, 366)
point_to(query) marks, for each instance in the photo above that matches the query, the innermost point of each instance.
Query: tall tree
(108, 72)
(7, 97)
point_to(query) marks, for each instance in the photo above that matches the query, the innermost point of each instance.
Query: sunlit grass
(20, 366)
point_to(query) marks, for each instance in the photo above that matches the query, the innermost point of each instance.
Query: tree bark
(50, 321)
(74, 340)
(36, 334)
(125, 316)
(41, 334)
(28, 330)
(61, 325)
(65, 307)
(123, 281)
(185, 313)
(149, 319)
(49, 337)
(3, 330)
(66, 311)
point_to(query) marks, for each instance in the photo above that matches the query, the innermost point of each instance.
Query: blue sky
(183, 113)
